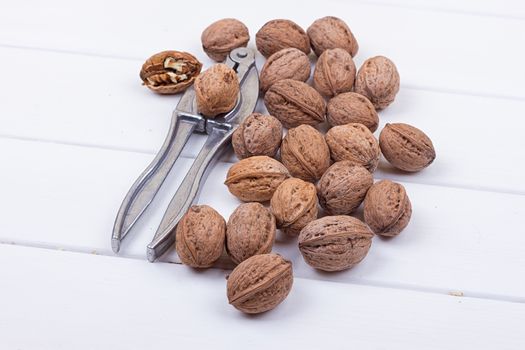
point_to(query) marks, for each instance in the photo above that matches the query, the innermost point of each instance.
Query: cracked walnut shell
(330, 33)
(289, 63)
(222, 36)
(351, 107)
(257, 135)
(304, 153)
(260, 283)
(216, 90)
(280, 34)
(387, 208)
(200, 236)
(378, 80)
(334, 72)
(170, 72)
(335, 243)
(255, 179)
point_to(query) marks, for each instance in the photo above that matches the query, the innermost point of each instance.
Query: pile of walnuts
(312, 181)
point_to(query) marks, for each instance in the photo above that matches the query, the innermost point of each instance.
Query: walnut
(258, 135)
(353, 142)
(335, 243)
(216, 90)
(294, 204)
(330, 33)
(221, 37)
(351, 107)
(280, 34)
(295, 103)
(289, 63)
(334, 72)
(200, 236)
(255, 179)
(343, 187)
(250, 231)
(260, 283)
(170, 72)
(387, 208)
(406, 147)
(378, 80)
(304, 153)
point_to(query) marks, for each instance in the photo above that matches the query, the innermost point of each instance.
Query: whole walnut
(294, 204)
(295, 103)
(334, 72)
(260, 283)
(170, 72)
(258, 135)
(353, 142)
(250, 231)
(351, 107)
(216, 90)
(330, 33)
(200, 236)
(343, 187)
(378, 80)
(387, 208)
(335, 243)
(280, 34)
(304, 153)
(255, 179)
(289, 63)
(406, 147)
(222, 36)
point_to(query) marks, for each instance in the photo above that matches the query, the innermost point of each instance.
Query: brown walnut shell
(258, 135)
(294, 204)
(255, 179)
(406, 147)
(289, 63)
(280, 34)
(260, 283)
(221, 37)
(387, 208)
(343, 187)
(294, 103)
(216, 90)
(335, 243)
(334, 72)
(353, 142)
(304, 153)
(378, 80)
(170, 72)
(351, 107)
(200, 236)
(250, 231)
(330, 33)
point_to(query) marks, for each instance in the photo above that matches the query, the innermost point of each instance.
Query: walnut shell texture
(351, 107)
(216, 90)
(258, 135)
(260, 283)
(289, 63)
(334, 72)
(304, 153)
(406, 147)
(378, 80)
(222, 36)
(387, 208)
(295, 103)
(335, 243)
(250, 231)
(170, 72)
(200, 236)
(343, 187)
(294, 204)
(280, 34)
(353, 142)
(330, 33)
(255, 179)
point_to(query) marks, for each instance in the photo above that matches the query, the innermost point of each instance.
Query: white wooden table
(76, 128)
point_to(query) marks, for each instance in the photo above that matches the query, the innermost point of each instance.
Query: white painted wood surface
(76, 128)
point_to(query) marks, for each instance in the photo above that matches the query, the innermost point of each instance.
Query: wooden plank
(66, 197)
(456, 57)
